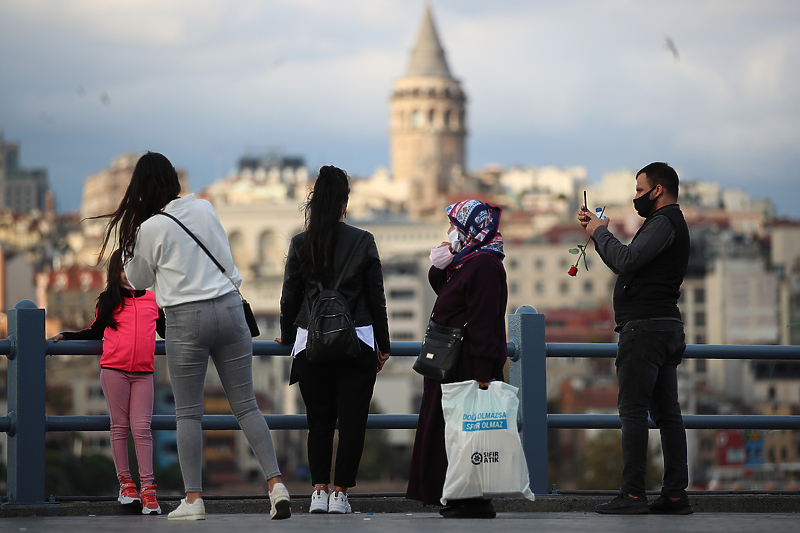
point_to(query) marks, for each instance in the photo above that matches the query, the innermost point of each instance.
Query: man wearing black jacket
(649, 271)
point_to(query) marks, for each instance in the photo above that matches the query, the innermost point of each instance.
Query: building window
(416, 118)
(236, 242)
(563, 287)
(588, 287)
(699, 339)
(431, 115)
(700, 366)
(401, 294)
(266, 250)
(539, 287)
(538, 264)
(512, 288)
(699, 319)
(402, 314)
(447, 119)
(402, 336)
(699, 296)
(512, 264)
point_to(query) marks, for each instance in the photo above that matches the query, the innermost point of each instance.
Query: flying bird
(105, 99)
(669, 45)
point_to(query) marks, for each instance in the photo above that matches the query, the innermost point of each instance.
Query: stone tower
(427, 128)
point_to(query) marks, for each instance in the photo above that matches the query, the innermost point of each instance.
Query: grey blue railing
(27, 422)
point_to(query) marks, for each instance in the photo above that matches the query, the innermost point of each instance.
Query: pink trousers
(129, 396)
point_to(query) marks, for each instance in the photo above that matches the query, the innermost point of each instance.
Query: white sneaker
(338, 504)
(319, 502)
(189, 511)
(279, 498)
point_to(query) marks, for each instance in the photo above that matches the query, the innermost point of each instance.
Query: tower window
(447, 119)
(430, 117)
(416, 118)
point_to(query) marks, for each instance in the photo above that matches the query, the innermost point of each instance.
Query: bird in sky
(669, 45)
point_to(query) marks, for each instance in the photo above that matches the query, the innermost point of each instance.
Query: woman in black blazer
(342, 389)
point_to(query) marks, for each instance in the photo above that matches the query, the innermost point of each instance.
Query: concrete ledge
(702, 503)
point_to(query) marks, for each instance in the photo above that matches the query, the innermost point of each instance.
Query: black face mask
(644, 205)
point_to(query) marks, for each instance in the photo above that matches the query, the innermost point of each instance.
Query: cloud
(573, 82)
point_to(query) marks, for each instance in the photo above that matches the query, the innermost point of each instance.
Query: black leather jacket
(362, 286)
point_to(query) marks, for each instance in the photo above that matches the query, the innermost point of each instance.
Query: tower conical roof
(427, 57)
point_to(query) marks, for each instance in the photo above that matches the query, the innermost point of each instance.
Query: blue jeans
(648, 355)
(217, 328)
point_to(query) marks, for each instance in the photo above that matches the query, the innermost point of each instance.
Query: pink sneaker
(149, 502)
(127, 491)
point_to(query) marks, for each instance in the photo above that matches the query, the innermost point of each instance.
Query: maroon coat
(475, 294)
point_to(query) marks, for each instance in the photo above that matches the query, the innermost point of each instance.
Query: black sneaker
(665, 505)
(624, 504)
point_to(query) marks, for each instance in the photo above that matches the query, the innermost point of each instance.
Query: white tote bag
(484, 453)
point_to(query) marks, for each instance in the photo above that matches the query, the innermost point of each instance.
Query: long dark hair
(153, 185)
(111, 299)
(323, 209)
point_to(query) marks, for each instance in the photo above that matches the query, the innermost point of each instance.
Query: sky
(589, 83)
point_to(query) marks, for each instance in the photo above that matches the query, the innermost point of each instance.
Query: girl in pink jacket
(127, 321)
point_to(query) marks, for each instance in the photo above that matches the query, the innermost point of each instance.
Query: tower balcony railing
(27, 423)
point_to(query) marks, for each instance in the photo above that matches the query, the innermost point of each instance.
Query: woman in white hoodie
(204, 316)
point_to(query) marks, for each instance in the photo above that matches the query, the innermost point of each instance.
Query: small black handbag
(441, 350)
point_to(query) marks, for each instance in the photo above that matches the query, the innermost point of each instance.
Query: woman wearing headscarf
(469, 280)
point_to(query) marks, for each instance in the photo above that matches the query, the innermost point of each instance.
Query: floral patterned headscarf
(478, 226)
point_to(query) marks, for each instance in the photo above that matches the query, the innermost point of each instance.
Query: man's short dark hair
(661, 174)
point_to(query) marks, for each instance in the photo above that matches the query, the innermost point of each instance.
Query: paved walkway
(411, 522)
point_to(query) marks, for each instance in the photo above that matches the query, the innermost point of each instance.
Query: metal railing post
(26, 404)
(527, 371)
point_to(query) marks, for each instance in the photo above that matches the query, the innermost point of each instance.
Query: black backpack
(331, 330)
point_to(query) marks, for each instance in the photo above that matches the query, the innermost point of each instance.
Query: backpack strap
(349, 260)
(342, 273)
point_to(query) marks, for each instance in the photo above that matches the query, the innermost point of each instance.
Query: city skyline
(706, 86)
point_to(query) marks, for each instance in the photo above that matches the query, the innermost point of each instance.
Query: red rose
(573, 270)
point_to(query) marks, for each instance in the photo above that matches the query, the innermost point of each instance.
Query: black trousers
(337, 391)
(648, 356)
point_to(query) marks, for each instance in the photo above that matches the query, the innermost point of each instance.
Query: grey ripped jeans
(217, 328)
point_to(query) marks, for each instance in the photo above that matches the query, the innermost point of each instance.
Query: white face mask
(441, 257)
(455, 240)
